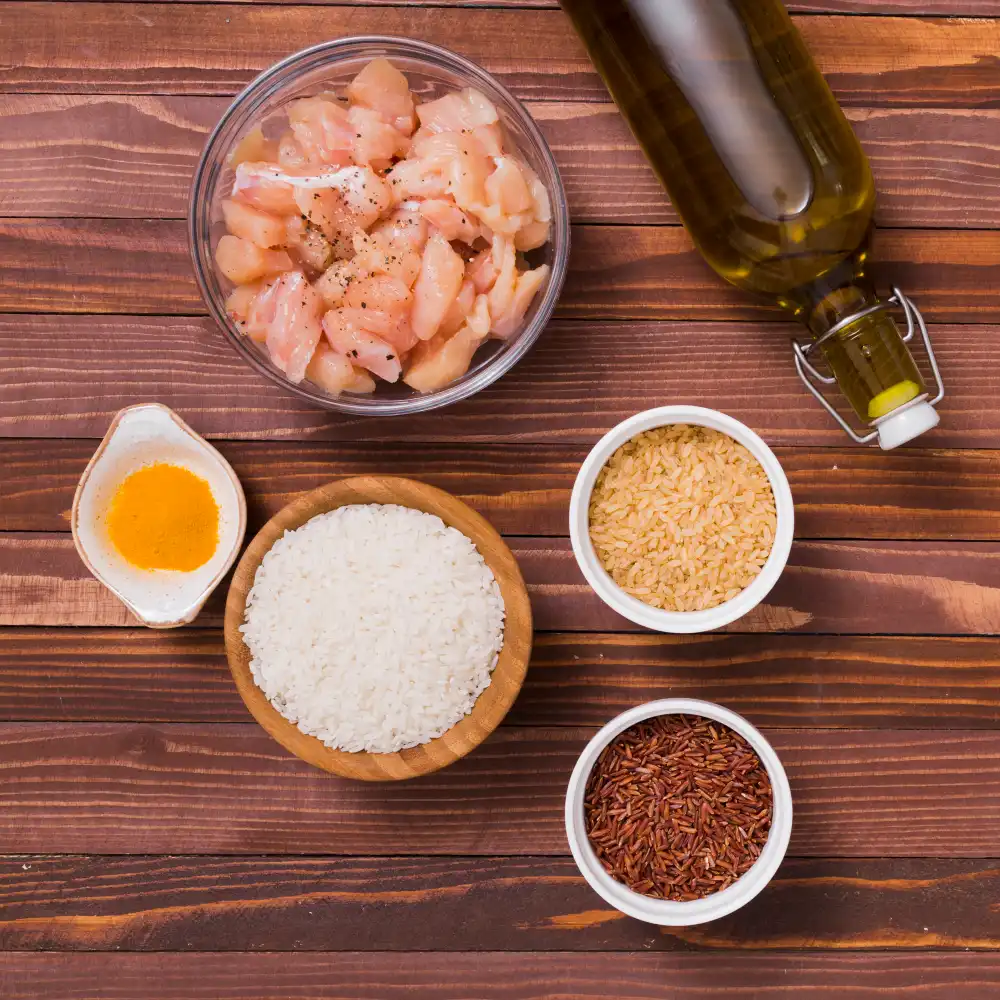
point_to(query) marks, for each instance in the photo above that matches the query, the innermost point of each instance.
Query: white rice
(374, 627)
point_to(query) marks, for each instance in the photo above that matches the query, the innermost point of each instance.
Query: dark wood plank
(486, 976)
(616, 272)
(869, 61)
(905, 588)
(121, 156)
(206, 904)
(229, 789)
(134, 675)
(65, 376)
(524, 489)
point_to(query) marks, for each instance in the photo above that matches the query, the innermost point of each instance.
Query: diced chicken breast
(291, 155)
(490, 137)
(457, 112)
(252, 224)
(507, 187)
(359, 346)
(505, 260)
(240, 302)
(482, 270)
(376, 143)
(252, 147)
(290, 311)
(406, 227)
(322, 129)
(366, 195)
(528, 283)
(532, 236)
(334, 373)
(381, 87)
(333, 283)
(458, 313)
(256, 184)
(393, 328)
(326, 211)
(438, 284)
(440, 361)
(242, 261)
(449, 220)
(376, 255)
(417, 179)
(461, 160)
(314, 250)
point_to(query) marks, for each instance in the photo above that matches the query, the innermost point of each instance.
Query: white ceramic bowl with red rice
(637, 610)
(668, 912)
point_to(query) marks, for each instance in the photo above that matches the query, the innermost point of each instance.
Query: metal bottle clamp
(810, 376)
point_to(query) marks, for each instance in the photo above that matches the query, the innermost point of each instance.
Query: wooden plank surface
(207, 904)
(524, 488)
(620, 272)
(67, 376)
(189, 48)
(133, 156)
(491, 976)
(898, 587)
(229, 789)
(781, 681)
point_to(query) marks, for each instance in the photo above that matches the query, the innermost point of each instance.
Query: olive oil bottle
(771, 182)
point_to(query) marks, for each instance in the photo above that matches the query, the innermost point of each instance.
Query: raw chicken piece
(507, 187)
(333, 372)
(459, 311)
(377, 255)
(393, 328)
(457, 112)
(322, 129)
(252, 224)
(533, 235)
(441, 274)
(365, 194)
(406, 227)
(359, 346)
(326, 211)
(449, 220)
(507, 323)
(289, 310)
(381, 305)
(333, 283)
(376, 143)
(238, 306)
(314, 249)
(438, 362)
(490, 137)
(482, 269)
(505, 261)
(417, 179)
(462, 161)
(541, 203)
(381, 87)
(256, 183)
(253, 146)
(291, 156)
(242, 261)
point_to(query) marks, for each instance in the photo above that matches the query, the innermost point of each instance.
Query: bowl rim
(671, 913)
(492, 704)
(504, 360)
(194, 609)
(679, 622)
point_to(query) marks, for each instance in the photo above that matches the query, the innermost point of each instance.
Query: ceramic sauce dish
(139, 436)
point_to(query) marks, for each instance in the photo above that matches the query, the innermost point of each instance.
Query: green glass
(762, 166)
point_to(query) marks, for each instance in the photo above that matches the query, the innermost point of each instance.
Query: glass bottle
(769, 178)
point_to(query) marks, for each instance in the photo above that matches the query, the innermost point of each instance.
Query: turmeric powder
(164, 517)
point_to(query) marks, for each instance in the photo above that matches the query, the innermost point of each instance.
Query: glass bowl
(431, 71)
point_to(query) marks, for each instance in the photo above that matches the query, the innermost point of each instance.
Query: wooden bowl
(491, 706)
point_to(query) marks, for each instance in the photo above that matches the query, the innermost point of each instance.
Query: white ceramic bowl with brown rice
(669, 912)
(690, 553)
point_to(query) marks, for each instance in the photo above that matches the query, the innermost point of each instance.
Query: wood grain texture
(509, 670)
(870, 61)
(67, 376)
(122, 156)
(620, 272)
(390, 904)
(905, 588)
(781, 681)
(491, 976)
(523, 489)
(230, 789)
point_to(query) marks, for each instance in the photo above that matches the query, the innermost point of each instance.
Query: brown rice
(682, 517)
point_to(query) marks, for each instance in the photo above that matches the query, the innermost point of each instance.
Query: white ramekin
(632, 608)
(666, 912)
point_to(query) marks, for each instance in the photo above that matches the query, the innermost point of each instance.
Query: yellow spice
(164, 517)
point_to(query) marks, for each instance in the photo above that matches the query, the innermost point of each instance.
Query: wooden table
(159, 846)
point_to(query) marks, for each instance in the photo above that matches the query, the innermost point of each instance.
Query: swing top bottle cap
(905, 423)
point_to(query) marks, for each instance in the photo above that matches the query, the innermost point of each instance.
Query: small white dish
(138, 436)
(631, 607)
(670, 913)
